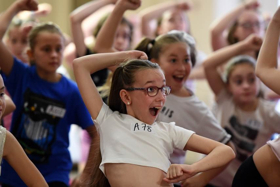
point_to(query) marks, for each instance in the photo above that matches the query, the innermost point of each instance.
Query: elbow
(230, 152)
(76, 64)
(73, 18)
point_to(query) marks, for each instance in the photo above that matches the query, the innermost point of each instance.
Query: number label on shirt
(142, 127)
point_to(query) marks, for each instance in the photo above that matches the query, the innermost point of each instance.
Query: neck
(183, 92)
(49, 77)
(248, 107)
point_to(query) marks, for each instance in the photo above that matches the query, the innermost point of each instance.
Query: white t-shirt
(125, 139)
(192, 114)
(249, 131)
(275, 147)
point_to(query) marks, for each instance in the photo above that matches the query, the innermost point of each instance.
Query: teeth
(179, 76)
(157, 107)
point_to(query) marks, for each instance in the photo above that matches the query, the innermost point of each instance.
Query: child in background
(237, 25)
(249, 119)
(12, 152)
(130, 137)
(44, 100)
(175, 53)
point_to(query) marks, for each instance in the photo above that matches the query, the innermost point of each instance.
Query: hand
(186, 5)
(134, 54)
(43, 9)
(76, 182)
(253, 4)
(276, 16)
(129, 4)
(178, 172)
(26, 5)
(194, 181)
(253, 42)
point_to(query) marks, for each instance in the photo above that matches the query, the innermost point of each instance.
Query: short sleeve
(272, 116)
(102, 116)
(180, 136)
(275, 147)
(15, 76)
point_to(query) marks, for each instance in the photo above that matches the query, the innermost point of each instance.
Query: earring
(128, 103)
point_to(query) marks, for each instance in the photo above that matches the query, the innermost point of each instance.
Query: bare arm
(86, 174)
(266, 68)
(6, 62)
(105, 39)
(17, 158)
(85, 66)
(221, 56)
(10, 106)
(218, 155)
(220, 26)
(156, 11)
(77, 17)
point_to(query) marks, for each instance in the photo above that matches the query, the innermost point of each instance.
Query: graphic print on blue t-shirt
(243, 136)
(35, 129)
(167, 112)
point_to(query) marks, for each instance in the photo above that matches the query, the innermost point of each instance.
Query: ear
(154, 60)
(30, 55)
(125, 97)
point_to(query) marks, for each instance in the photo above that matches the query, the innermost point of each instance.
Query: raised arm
(6, 62)
(77, 17)
(85, 66)
(223, 55)
(218, 155)
(154, 12)
(220, 26)
(105, 39)
(17, 158)
(266, 68)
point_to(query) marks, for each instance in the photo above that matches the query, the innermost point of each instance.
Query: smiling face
(175, 61)
(243, 84)
(249, 22)
(2, 97)
(47, 52)
(142, 106)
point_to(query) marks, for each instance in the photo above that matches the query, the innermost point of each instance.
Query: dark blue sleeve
(83, 118)
(15, 78)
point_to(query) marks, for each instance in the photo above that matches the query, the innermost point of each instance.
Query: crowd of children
(139, 113)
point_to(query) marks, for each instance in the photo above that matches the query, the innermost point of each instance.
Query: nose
(54, 53)
(160, 96)
(246, 84)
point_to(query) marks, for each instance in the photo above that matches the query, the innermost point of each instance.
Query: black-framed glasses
(152, 91)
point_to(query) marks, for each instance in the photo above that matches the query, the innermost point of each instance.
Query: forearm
(96, 62)
(82, 12)
(220, 156)
(268, 54)
(221, 56)
(105, 39)
(6, 18)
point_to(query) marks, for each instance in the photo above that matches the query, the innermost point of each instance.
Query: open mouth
(178, 78)
(154, 111)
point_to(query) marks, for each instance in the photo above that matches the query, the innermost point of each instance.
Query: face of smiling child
(175, 61)
(142, 106)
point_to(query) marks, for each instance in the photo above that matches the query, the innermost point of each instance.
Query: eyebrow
(177, 55)
(3, 88)
(153, 82)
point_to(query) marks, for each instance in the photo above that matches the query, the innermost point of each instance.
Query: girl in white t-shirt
(249, 119)
(175, 54)
(264, 166)
(135, 149)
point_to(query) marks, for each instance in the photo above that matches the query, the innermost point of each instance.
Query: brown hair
(153, 48)
(123, 77)
(124, 21)
(42, 27)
